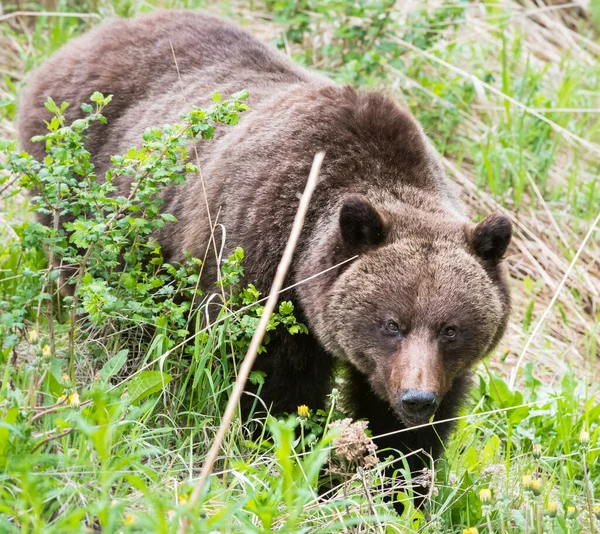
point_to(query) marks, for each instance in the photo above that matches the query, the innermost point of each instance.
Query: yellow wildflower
(584, 437)
(485, 496)
(303, 411)
(74, 399)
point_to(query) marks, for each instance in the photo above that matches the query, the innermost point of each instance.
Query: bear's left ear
(490, 238)
(361, 225)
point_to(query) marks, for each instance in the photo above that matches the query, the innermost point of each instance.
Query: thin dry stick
(48, 14)
(49, 439)
(257, 338)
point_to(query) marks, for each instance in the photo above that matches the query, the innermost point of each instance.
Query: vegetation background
(104, 423)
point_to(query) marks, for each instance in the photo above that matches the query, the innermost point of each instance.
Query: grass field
(104, 424)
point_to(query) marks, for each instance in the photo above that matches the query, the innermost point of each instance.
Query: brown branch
(48, 14)
(47, 440)
(48, 409)
(257, 338)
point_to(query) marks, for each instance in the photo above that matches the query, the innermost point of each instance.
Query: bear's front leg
(298, 371)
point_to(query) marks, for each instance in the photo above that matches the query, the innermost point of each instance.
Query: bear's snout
(417, 406)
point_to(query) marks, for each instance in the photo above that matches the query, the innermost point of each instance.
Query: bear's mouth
(410, 420)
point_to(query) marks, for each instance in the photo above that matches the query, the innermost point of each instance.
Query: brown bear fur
(422, 267)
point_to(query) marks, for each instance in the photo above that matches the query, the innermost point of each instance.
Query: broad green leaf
(147, 383)
(7, 423)
(114, 365)
(500, 393)
(490, 450)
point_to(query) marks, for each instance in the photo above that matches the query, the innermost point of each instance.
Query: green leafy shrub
(99, 245)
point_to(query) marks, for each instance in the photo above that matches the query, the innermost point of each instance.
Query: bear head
(425, 298)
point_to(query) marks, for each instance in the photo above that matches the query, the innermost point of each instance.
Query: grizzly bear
(426, 294)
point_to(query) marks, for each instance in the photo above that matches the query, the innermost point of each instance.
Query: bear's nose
(420, 404)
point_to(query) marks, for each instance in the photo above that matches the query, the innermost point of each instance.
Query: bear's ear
(362, 226)
(490, 238)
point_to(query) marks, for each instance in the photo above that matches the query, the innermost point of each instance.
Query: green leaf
(113, 365)
(491, 449)
(216, 97)
(6, 425)
(471, 460)
(51, 106)
(518, 414)
(97, 97)
(241, 95)
(500, 393)
(286, 308)
(257, 377)
(147, 383)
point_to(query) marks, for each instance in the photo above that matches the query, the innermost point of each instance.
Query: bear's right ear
(362, 226)
(490, 238)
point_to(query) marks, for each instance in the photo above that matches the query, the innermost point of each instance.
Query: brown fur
(383, 196)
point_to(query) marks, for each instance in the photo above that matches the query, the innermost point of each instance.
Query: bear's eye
(393, 327)
(449, 333)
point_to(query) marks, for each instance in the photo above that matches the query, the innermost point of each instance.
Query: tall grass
(508, 92)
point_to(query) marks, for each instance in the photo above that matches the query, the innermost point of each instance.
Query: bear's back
(156, 66)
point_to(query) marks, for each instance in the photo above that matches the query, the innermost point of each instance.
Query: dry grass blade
(250, 357)
(49, 14)
(513, 376)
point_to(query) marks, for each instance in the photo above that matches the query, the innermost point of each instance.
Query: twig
(51, 267)
(250, 357)
(48, 14)
(48, 409)
(212, 226)
(9, 184)
(55, 436)
(371, 504)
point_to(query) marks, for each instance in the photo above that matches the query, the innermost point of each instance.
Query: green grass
(92, 436)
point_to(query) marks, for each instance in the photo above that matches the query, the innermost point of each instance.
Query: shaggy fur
(422, 266)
